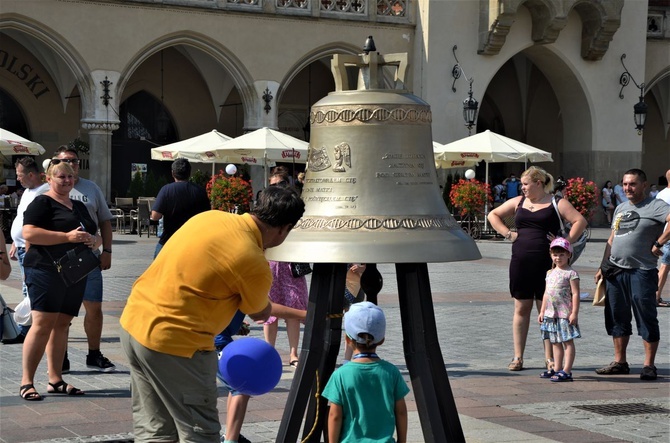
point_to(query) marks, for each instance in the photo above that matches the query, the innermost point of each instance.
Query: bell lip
(436, 247)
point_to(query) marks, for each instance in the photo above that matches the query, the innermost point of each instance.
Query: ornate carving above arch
(600, 20)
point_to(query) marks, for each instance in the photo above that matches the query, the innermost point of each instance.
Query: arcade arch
(524, 100)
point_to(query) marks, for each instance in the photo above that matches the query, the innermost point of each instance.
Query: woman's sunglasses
(72, 161)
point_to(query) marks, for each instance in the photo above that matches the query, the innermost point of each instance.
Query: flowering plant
(584, 195)
(470, 196)
(232, 194)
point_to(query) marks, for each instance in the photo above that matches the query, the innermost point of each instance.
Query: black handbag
(76, 264)
(300, 269)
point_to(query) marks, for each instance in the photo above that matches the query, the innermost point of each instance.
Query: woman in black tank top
(536, 224)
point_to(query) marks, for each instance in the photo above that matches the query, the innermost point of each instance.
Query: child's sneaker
(99, 362)
(240, 439)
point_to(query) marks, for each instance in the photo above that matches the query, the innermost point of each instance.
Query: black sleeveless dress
(530, 251)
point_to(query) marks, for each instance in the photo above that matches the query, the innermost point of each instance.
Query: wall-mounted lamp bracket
(470, 105)
(267, 98)
(626, 78)
(640, 108)
(457, 71)
(105, 89)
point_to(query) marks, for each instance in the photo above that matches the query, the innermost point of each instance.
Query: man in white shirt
(665, 259)
(28, 174)
(620, 195)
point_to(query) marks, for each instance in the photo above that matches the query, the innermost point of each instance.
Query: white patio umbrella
(263, 147)
(492, 148)
(198, 149)
(451, 164)
(12, 144)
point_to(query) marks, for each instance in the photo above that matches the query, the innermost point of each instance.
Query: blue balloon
(250, 366)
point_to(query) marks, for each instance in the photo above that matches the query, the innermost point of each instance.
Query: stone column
(264, 113)
(99, 121)
(100, 155)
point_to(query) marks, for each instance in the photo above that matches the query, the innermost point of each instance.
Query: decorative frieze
(376, 223)
(386, 10)
(347, 115)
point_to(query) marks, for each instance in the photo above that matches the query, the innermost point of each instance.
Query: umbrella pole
(265, 169)
(486, 203)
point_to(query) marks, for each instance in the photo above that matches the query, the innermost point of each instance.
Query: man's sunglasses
(72, 161)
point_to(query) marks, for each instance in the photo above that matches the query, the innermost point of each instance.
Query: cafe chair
(120, 218)
(144, 219)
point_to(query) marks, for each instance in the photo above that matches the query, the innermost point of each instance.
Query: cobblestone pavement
(473, 314)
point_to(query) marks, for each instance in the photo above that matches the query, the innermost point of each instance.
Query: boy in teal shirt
(367, 395)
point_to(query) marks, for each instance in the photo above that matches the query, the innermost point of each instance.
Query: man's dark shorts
(632, 289)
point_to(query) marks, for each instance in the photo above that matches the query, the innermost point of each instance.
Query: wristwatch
(658, 245)
(109, 251)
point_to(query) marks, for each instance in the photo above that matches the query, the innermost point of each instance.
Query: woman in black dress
(52, 225)
(536, 224)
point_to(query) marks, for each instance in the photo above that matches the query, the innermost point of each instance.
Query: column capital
(102, 126)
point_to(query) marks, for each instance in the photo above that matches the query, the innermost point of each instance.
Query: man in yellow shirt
(212, 266)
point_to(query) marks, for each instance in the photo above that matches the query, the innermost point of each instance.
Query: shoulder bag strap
(560, 219)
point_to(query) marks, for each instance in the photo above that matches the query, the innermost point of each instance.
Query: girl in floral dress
(560, 308)
(290, 291)
(286, 290)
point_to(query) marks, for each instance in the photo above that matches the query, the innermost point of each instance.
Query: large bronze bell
(371, 196)
(371, 192)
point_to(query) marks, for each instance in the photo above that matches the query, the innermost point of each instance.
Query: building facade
(127, 75)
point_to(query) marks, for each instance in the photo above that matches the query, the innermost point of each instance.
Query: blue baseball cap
(365, 318)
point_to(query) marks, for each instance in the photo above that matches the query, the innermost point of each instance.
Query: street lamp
(640, 113)
(470, 105)
(640, 108)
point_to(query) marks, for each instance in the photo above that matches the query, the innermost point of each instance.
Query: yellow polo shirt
(211, 267)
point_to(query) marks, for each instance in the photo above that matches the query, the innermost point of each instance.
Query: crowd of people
(172, 332)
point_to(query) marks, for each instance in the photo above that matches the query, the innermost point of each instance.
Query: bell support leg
(317, 411)
(321, 340)
(423, 356)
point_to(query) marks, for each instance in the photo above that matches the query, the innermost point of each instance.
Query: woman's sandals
(29, 396)
(63, 388)
(516, 364)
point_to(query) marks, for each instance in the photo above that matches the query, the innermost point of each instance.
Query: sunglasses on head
(72, 161)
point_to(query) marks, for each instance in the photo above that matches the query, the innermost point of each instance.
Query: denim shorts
(632, 289)
(48, 293)
(665, 258)
(93, 290)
